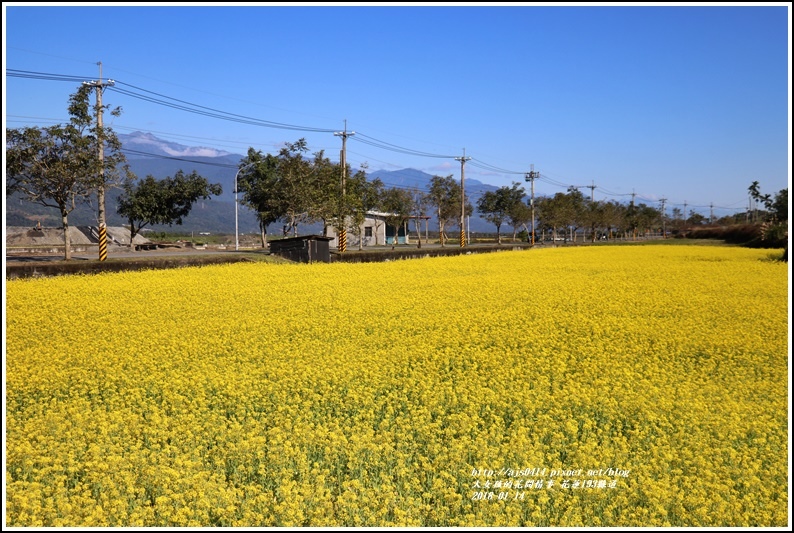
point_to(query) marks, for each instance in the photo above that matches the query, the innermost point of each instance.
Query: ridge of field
(594, 386)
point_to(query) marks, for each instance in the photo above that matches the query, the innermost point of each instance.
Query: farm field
(593, 386)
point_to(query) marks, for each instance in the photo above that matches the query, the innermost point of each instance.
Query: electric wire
(174, 158)
(208, 112)
(175, 103)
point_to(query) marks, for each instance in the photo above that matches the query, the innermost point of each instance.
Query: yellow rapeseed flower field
(595, 386)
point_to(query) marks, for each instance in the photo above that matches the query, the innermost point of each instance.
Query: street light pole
(236, 203)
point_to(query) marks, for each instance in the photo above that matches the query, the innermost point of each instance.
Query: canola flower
(601, 386)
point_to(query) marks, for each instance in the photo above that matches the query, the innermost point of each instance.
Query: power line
(14, 73)
(175, 103)
(546, 179)
(197, 109)
(168, 101)
(158, 156)
(485, 166)
(366, 139)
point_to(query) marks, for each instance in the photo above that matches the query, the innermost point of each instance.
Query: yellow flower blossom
(594, 386)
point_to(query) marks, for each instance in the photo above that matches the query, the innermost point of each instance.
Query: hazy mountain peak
(146, 142)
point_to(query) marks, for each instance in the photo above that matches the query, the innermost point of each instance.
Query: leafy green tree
(575, 210)
(545, 209)
(613, 217)
(563, 210)
(363, 196)
(166, 201)
(775, 226)
(496, 205)
(678, 219)
(780, 206)
(519, 216)
(776, 208)
(398, 205)
(755, 194)
(648, 218)
(257, 182)
(444, 196)
(59, 166)
(324, 191)
(421, 203)
(632, 220)
(695, 219)
(594, 216)
(295, 185)
(553, 212)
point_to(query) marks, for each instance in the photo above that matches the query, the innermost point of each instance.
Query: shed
(304, 249)
(375, 231)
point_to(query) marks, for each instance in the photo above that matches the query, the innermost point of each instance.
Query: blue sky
(684, 102)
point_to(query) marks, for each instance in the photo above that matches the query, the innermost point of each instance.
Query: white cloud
(195, 151)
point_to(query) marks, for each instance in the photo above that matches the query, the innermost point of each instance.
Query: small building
(304, 249)
(376, 231)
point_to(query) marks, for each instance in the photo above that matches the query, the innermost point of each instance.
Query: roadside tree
(552, 212)
(496, 205)
(398, 205)
(327, 203)
(294, 187)
(444, 196)
(420, 205)
(363, 196)
(59, 166)
(258, 187)
(518, 217)
(166, 201)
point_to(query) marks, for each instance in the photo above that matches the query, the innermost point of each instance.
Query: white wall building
(375, 231)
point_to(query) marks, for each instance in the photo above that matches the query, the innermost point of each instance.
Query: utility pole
(462, 199)
(664, 216)
(711, 213)
(633, 194)
(531, 176)
(592, 189)
(342, 246)
(103, 230)
(685, 217)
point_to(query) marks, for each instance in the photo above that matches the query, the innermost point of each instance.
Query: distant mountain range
(150, 155)
(146, 142)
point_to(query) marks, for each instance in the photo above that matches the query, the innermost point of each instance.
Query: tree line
(293, 188)
(59, 167)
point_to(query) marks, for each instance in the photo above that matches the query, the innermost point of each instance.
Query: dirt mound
(16, 236)
(80, 235)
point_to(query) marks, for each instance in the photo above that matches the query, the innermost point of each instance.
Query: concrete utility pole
(711, 213)
(664, 229)
(342, 246)
(531, 176)
(685, 217)
(592, 189)
(103, 230)
(462, 199)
